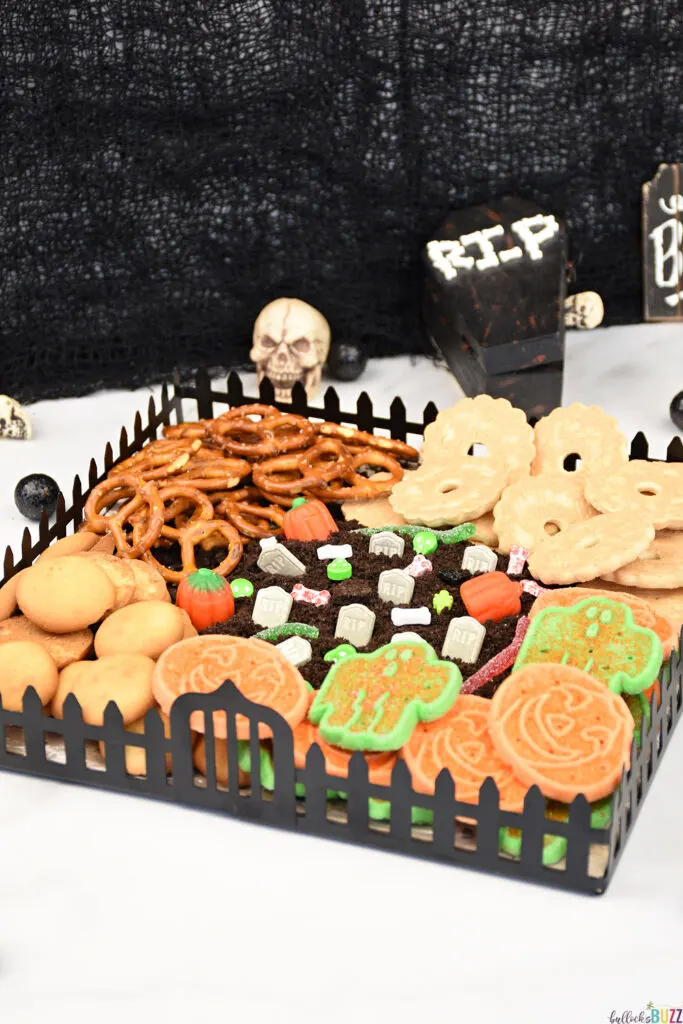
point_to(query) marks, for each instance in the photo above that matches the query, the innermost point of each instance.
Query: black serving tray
(66, 749)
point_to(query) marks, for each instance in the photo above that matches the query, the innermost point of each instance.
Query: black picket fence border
(592, 853)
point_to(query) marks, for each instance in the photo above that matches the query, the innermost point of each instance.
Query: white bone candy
(267, 543)
(411, 616)
(334, 551)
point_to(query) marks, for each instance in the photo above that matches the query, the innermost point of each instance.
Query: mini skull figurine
(13, 420)
(290, 343)
(584, 311)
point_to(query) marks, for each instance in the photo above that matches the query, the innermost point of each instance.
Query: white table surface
(116, 909)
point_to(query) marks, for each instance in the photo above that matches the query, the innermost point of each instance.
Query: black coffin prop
(494, 301)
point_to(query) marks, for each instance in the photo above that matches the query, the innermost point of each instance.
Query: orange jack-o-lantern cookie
(460, 742)
(562, 730)
(259, 671)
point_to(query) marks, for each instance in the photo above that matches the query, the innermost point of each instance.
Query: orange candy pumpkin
(491, 597)
(206, 597)
(308, 520)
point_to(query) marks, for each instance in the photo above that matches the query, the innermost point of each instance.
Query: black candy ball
(34, 493)
(347, 360)
(676, 410)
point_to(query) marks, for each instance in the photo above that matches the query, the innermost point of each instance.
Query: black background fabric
(169, 166)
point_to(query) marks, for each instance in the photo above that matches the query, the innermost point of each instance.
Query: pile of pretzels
(228, 480)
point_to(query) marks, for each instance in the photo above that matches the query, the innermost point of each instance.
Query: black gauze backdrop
(169, 166)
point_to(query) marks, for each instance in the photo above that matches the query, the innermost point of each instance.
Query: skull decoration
(290, 343)
(584, 310)
(13, 420)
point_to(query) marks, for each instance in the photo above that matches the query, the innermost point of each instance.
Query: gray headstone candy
(355, 623)
(479, 558)
(396, 586)
(279, 561)
(271, 607)
(464, 639)
(386, 543)
(296, 649)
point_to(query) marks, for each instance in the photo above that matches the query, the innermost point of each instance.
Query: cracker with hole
(599, 636)
(654, 489)
(536, 507)
(658, 567)
(448, 493)
(592, 548)
(481, 428)
(578, 433)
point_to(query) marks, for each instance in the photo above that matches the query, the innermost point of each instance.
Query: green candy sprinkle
(339, 569)
(289, 629)
(241, 587)
(339, 652)
(442, 601)
(425, 542)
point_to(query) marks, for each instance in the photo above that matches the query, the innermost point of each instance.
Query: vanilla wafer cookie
(659, 567)
(536, 507)
(653, 488)
(481, 423)
(584, 550)
(446, 494)
(585, 432)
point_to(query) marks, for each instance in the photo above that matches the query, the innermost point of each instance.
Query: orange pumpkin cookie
(562, 730)
(8, 596)
(258, 670)
(380, 764)
(461, 743)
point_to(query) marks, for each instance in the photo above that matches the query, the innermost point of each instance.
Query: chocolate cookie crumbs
(362, 588)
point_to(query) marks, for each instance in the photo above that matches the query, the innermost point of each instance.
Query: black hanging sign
(663, 244)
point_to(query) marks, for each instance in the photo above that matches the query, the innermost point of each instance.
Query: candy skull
(290, 343)
(13, 420)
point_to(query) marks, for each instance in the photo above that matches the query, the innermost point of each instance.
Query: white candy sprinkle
(334, 551)
(411, 616)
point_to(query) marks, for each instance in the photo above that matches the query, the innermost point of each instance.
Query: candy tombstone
(206, 597)
(491, 597)
(308, 519)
